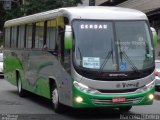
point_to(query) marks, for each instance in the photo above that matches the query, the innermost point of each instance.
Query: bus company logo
(118, 85)
(93, 26)
(130, 85)
(118, 75)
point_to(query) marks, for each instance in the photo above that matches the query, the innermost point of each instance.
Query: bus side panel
(37, 77)
(35, 68)
(41, 66)
(12, 62)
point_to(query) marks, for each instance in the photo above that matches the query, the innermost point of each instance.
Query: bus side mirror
(68, 41)
(155, 37)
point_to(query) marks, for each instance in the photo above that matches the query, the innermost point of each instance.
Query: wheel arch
(52, 84)
(17, 72)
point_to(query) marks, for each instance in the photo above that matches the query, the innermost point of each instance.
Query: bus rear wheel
(21, 92)
(55, 100)
(125, 108)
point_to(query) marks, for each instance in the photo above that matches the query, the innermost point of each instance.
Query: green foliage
(2, 13)
(15, 12)
(35, 6)
(32, 7)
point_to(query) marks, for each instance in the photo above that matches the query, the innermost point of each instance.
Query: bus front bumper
(86, 100)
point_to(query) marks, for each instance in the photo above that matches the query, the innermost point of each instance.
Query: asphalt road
(32, 107)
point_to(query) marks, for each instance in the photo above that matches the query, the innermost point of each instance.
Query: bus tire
(55, 100)
(125, 108)
(21, 91)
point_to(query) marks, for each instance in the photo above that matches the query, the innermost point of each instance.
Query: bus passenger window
(29, 36)
(51, 34)
(14, 37)
(39, 35)
(21, 36)
(7, 37)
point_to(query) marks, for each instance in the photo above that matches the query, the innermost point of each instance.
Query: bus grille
(128, 100)
(118, 91)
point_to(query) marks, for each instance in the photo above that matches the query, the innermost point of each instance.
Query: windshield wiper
(129, 60)
(107, 57)
(105, 61)
(123, 53)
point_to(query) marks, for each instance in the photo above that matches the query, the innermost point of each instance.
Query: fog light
(79, 99)
(151, 96)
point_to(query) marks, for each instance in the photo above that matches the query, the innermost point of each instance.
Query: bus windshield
(112, 45)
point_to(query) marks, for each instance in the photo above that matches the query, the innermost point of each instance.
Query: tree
(15, 12)
(2, 12)
(35, 6)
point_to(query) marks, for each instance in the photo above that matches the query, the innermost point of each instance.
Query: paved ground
(157, 95)
(33, 107)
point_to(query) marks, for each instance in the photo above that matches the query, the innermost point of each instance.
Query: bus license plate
(118, 100)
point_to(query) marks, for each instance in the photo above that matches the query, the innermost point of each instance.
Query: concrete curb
(157, 95)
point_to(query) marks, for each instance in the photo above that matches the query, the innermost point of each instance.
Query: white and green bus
(82, 57)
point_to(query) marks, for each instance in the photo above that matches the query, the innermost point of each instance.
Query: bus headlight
(79, 99)
(151, 96)
(85, 88)
(147, 87)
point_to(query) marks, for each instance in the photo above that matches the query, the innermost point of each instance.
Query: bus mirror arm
(68, 38)
(154, 36)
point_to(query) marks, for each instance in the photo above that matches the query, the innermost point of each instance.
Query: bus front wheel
(19, 87)
(55, 100)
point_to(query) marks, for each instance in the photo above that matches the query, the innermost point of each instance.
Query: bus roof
(87, 12)
(103, 13)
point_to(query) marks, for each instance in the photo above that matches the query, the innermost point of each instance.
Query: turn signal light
(156, 73)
